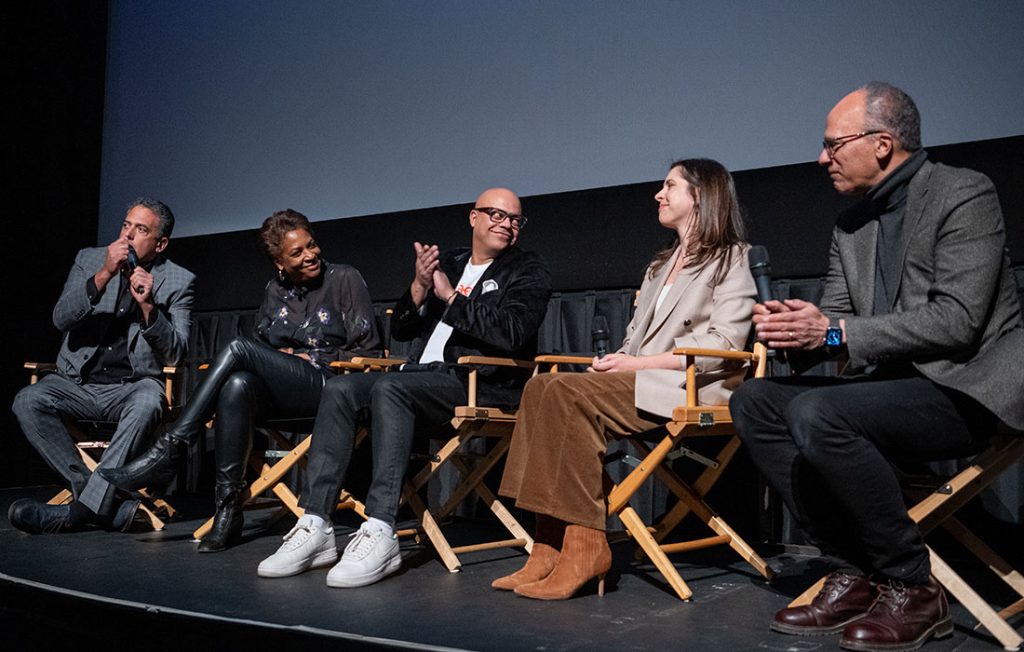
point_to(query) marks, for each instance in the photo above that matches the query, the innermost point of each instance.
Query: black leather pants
(248, 383)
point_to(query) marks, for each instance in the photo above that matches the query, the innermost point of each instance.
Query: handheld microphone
(599, 336)
(761, 270)
(133, 259)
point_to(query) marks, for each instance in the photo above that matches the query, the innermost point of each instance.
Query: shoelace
(296, 537)
(362, 543)
(833, 583)
(891, 595)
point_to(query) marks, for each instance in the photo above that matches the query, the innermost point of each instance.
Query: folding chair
(92, 438)
(939, 508)
(288, 455)
(688, 421)
(470, 423)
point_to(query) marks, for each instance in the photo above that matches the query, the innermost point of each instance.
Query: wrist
(451, 297)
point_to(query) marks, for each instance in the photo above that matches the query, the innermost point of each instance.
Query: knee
(146, 402)
(30, 400)
(746, 405)
(388, 388)
(237, 390)
(809, 417)
(240, 348)
(338, 393)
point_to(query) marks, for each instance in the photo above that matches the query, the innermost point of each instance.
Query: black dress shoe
(153, 469)
(901, 618)
(843, 599)
(37, 517)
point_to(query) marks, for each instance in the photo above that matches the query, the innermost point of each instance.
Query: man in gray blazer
(920, 301)
(125, 313)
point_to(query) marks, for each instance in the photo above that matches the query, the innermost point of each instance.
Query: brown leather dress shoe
(902, 618)
(844, 598)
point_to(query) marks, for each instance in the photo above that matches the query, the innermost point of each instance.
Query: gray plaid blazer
(164, 342)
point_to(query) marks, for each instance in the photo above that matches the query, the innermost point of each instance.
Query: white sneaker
(304, 547)
(369, 557)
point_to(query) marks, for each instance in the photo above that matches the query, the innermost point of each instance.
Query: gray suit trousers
(137, 407)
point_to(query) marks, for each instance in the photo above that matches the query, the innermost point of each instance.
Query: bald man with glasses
(487, 299)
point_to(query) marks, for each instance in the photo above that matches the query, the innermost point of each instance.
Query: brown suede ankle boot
(547, 544)
(585, 555)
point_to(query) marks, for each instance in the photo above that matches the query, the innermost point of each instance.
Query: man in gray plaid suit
(125, 313)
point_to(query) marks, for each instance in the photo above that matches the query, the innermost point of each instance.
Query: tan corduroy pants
(565, 421)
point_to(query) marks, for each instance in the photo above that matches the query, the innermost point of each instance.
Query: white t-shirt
(434, 351)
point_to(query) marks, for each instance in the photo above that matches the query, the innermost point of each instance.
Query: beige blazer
(695, 313)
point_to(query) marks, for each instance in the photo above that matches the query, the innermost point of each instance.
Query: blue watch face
(833, 336)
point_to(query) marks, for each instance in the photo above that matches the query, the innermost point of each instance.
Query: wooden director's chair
(92, 438)
(470, 422)
(287, 455)
(939, 507)
(688, 421)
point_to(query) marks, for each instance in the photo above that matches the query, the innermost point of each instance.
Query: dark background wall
(592, 239)
(54, 64)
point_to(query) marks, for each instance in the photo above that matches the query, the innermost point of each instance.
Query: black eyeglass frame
(832, 145)
(497, 216)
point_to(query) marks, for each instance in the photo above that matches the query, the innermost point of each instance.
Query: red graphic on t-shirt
(464, 290)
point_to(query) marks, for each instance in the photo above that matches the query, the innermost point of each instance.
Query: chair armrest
(485, 361)
(37, 368)
(475, 361)
(563, 359)
(41, 366)
(379, 361)
(715, 353)
(757, 358)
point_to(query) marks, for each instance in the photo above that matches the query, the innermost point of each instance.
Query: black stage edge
(152, 591)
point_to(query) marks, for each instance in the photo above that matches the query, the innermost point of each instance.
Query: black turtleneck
(889, 201)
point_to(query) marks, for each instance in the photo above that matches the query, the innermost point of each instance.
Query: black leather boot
(156, 467)
(227, 523)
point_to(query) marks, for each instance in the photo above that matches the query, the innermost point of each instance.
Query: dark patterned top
(330, 319)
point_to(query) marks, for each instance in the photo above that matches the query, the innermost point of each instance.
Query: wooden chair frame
(690, 420)
(939, 508)
(91, 449)
(271, 475)
(470, 422)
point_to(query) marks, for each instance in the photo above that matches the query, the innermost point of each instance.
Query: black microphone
(599, 336)
(761, 270)
(133, 259)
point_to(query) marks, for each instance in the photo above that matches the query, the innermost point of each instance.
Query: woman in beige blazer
(696, 293)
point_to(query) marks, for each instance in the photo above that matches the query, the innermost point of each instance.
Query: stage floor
(152, 591)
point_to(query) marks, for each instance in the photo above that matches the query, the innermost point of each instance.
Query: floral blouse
(329, 319)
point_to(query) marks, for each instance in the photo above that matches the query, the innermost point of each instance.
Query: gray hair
(162, 211)
(891, 110)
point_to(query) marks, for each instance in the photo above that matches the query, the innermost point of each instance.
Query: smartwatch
(833, 337)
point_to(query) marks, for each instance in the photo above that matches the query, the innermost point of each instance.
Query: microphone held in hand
(133, 259)
(761, 270)
(599, 336)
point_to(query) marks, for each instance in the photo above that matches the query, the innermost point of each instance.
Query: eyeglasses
(832, 145)
(498, 216)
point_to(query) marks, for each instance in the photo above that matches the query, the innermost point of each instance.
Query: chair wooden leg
(269, 478)
(974, 603)
(808, 595)
(695, 504)
(643, 537)
(522, 538)
(433, 531)
(982, 551)
(62, 498)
